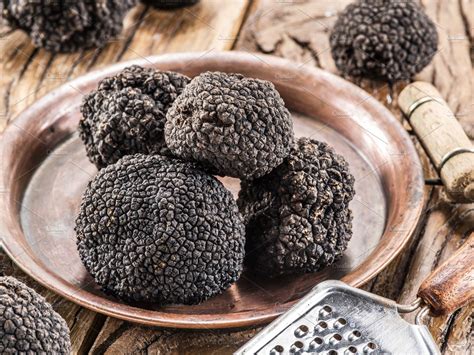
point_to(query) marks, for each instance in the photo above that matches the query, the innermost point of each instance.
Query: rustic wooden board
(292, 29)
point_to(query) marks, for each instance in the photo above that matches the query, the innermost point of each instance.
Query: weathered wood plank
(451, 69)
(118, 337)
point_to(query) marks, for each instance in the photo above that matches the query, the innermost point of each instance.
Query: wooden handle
(451, 285)
(441, 134)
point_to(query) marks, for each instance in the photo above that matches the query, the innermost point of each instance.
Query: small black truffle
(157, 229)
(297, 217)
(127, 113)
(383, 39)
(67, 26)
(28, 324)
(169, 4)
(233, 125)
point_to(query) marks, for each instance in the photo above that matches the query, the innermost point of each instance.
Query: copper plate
(45, 171)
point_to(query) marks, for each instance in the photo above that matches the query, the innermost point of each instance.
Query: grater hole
(352, 349)
(301, 331)
(332, 352)
(321, 326)
(316, 343)
(278, 349)
(318, 340)
(297, 347)
(327, 309)
(354, 335)
(339, 323)
(370, 347)
(299, 344)
(304, 328)
(336, 338)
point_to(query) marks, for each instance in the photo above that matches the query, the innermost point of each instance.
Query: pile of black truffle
(156, 225)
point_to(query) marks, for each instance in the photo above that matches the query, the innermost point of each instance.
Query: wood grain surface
(297, 30)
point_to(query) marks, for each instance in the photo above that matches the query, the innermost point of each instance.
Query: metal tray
(45, 171)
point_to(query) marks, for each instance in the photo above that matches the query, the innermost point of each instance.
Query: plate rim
(105, 306)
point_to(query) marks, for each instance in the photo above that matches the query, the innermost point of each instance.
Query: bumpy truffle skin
(160, 230)
(233, 125)
(297, 217)
(127, 113)
(67, 26)
(390, 40)
(28, 324)
(169, 4)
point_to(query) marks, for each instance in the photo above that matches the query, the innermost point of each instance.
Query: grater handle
(451, 285)
(443, 138)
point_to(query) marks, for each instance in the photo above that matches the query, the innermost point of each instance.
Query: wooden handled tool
(451, 285)
(443, 138)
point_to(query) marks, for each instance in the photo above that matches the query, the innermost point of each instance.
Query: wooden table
(297, 30)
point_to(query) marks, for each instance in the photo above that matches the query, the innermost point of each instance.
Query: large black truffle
(383, 39)
(127, 113)
(28, 324)
(157, 229)
(169, 4)
(233, 125)
(67, 26)
(298, 218)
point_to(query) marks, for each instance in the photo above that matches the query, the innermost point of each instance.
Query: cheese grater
(338, 319)
(335, 318)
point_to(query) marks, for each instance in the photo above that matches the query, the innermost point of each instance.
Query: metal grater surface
(338, 319)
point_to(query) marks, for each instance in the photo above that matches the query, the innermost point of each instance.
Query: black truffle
(297, 217)
(383, 39)
(67, 26)
(127, 113)
(160, 230)
(28, 324)
(169, 4)
(233, 125)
